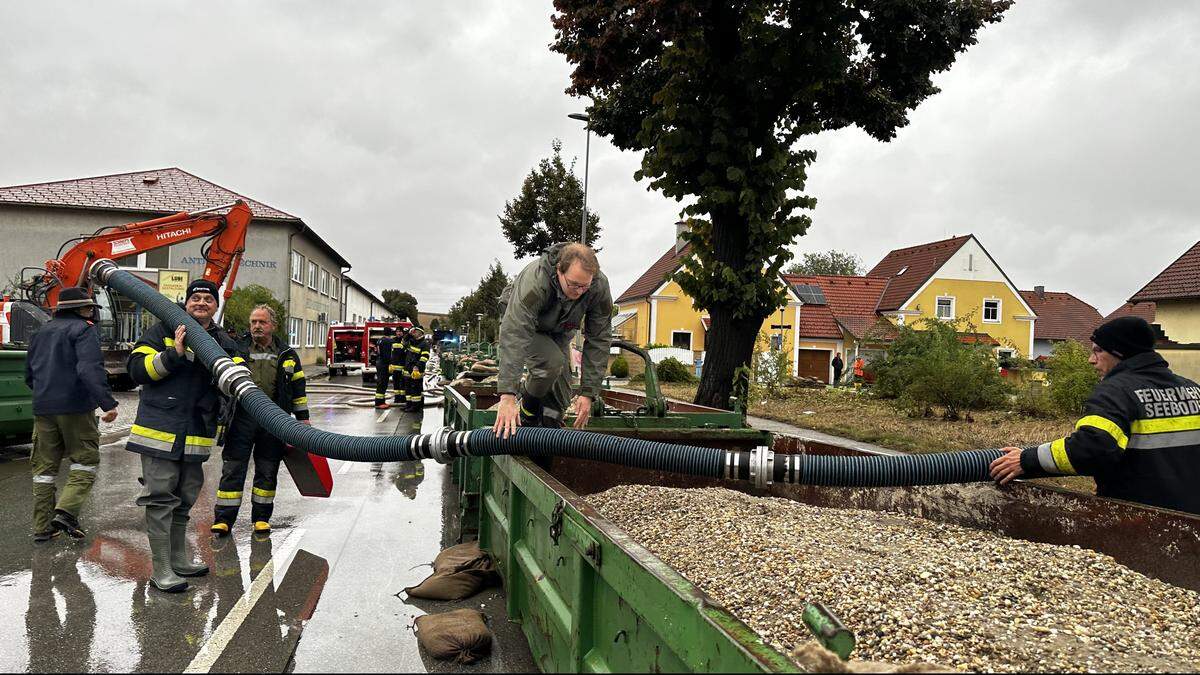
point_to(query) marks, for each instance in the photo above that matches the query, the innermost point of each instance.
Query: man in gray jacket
(554, 296)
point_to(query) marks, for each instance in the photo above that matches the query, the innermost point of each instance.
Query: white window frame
(324, 281)
(310, 333)
(314, 272)
(322, 333)
(691, 338)
(295, 325)
(1001, 351)
(999, 308)
(297, 268)
(336, 287)
(937, 305)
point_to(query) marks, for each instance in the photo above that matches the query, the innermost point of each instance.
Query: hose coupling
(762, 466)
(102, 269)
(439, 445)
(233, 379)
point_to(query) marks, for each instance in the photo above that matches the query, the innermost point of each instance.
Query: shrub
(933, 367)
(1072, 378)
(619, 368)
(672, 370)
(772, 372)
(242, 302)
(1031, 404)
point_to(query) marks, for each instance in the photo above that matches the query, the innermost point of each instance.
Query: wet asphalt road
(322, 594)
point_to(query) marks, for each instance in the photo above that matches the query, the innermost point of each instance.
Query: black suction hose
(760, 465)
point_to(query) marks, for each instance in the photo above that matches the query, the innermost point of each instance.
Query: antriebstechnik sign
(262, 264)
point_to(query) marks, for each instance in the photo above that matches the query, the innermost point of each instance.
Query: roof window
(902, 270)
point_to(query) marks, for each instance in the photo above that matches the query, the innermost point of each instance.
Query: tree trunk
(730, 345)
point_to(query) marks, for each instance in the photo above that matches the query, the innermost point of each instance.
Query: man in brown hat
(65, 370)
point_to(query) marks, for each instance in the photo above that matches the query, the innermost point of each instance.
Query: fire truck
(119, 320)
(352, 346)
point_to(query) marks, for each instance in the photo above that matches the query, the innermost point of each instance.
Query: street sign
(781, 326)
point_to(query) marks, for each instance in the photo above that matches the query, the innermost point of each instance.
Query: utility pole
(587, 154)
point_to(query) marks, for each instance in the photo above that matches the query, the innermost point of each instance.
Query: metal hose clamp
(102, 269)
(233, 379)
(762, 466)
(439, 444)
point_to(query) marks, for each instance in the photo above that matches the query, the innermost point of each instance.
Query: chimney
(1040, 291)
(680, 227)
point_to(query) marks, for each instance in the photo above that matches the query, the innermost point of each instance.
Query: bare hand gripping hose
(760, 465)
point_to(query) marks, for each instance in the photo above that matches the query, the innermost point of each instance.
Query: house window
(336, 288)
(991, 311)
(902, 270)
(313, 271)
(681, 339)
(325, 282)
(297, 268)
(294, 328)
(310, 337)
(322, 333)
(1005, 357)
(969, 263)
(945, 308)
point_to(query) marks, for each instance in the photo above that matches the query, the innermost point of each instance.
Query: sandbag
(460, 636)
(458, 572)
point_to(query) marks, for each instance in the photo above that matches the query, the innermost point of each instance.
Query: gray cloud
(1065, 140)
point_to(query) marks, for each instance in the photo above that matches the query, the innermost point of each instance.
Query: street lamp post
(479, 322)
(587, 153)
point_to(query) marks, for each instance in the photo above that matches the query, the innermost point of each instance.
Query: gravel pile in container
(913, 590)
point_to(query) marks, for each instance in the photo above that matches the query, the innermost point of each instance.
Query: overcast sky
(1066, 140)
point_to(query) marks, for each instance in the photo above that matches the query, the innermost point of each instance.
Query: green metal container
(16, 401)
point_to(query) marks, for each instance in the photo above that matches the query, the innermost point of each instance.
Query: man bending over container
(65, 370)
(276, 370)
(1140, 433)
(541, 310)
(175, 430)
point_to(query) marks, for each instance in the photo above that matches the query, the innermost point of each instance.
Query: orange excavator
(225, 226)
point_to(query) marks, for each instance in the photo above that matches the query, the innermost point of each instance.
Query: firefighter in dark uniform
(383, 366)
(1140, 433)
(175, 430)
(416, 357)
(65, 370)
(276, 370)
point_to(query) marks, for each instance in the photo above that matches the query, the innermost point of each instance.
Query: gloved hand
(416, 374)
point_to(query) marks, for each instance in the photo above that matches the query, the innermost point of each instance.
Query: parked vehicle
(372, 331)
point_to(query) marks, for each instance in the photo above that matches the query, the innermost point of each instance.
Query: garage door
(815, 363)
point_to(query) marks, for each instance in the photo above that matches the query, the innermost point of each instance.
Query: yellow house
(956, 279)
(1173, 298)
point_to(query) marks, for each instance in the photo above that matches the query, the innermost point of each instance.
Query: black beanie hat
(1124, 337)
(204, 286)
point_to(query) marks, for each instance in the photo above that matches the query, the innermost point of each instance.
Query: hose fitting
(102, 269)
(233, 379)
(762, 466)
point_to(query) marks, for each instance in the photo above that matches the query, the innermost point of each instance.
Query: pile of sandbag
(460, 635)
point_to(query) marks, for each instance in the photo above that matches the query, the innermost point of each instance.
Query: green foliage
(1032, 403)
(548, 210)
(1072, 378)
(831, 262)
(619, 368)
(771, 373)
(716, 95)
(485, 300)
(928, 365)
(244, 300)
(672, 370)
(657, 345)
(402, 304)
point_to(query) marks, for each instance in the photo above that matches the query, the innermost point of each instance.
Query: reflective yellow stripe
(238, 359)
(289, 362)
(1166, 424)
(1059, 450)
(263, 493)
(152, 433)
(148, 364)
(229, 494)
(298, 375)
(415, 350)
(1106, 425)
(199, 440)
(303, 400)
(145, 349)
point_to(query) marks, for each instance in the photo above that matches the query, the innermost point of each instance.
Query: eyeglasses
(574, 286)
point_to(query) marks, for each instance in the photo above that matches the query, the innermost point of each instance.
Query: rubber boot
(181, 558)
(530, 411)
(164, 578)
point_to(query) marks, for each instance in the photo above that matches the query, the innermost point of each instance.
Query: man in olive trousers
(65, 370)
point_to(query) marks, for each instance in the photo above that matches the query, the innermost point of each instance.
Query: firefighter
(175, 430)
(65, 370)
(1140, 433)
(416, 357)
(399, 367)
(541, 310)
(276, 370)
(383, 366)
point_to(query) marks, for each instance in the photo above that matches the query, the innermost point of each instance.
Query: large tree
(242, 301)
(485, 300)
(717, 93)
(402, 304)
(549, 209)
(834, 263)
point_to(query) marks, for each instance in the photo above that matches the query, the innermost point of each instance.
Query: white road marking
(345, 468)
(383, 416)
(275, 568)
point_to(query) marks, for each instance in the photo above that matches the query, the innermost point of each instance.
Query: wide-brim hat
(75, 298)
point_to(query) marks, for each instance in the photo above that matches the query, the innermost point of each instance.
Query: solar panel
(810, 294)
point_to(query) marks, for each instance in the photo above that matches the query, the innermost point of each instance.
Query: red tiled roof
(1181, 279)
(818, 321)
(1146, 310)
(977, 338)
(851, 303)
(159, 191)
(877, 328)
(654, 277)
(918, 263)
(1062, 316)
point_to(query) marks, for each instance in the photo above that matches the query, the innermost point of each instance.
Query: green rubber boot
(164, 578)
(181, 558)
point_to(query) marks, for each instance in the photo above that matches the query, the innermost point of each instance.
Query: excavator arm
(222, 253)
